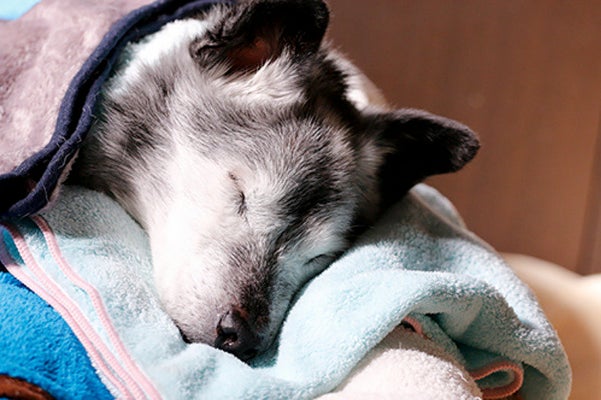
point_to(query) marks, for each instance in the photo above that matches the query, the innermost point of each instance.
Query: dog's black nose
(235, 334)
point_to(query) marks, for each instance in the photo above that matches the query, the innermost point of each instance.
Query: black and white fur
(240, 142)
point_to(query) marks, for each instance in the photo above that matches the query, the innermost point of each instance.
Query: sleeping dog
(244, 146)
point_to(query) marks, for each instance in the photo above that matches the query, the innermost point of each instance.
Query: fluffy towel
(87, 258)
(405, 365)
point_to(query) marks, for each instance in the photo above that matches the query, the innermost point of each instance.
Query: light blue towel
(419, 260)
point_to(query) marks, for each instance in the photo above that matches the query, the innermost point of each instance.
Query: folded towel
(88, 259)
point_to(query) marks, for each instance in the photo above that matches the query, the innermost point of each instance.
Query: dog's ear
(252, 32)
(416, 145)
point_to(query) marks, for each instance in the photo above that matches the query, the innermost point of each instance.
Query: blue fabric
(38, 346)
(75, 115)
(13, 9)
(419, 260)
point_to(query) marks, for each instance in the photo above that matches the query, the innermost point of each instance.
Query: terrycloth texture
(38, 346)
(418, 260)
(406, 365)
(53, 62)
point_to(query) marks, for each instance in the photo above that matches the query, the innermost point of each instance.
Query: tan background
(526, 75)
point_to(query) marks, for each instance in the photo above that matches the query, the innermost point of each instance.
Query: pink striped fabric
(139, 378)
(122, 373)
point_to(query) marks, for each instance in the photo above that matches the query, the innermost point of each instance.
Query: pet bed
(419, 268)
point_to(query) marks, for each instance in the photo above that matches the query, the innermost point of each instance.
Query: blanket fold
(91, 261)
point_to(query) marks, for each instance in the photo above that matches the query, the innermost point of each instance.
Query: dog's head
(233, 139)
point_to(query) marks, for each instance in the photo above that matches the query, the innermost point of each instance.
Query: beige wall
(526, 75)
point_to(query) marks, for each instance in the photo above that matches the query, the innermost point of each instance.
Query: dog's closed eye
(241, 203)
(321, 259)
(240, 196)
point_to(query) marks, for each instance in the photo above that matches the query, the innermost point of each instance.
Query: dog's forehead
(302, 151)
